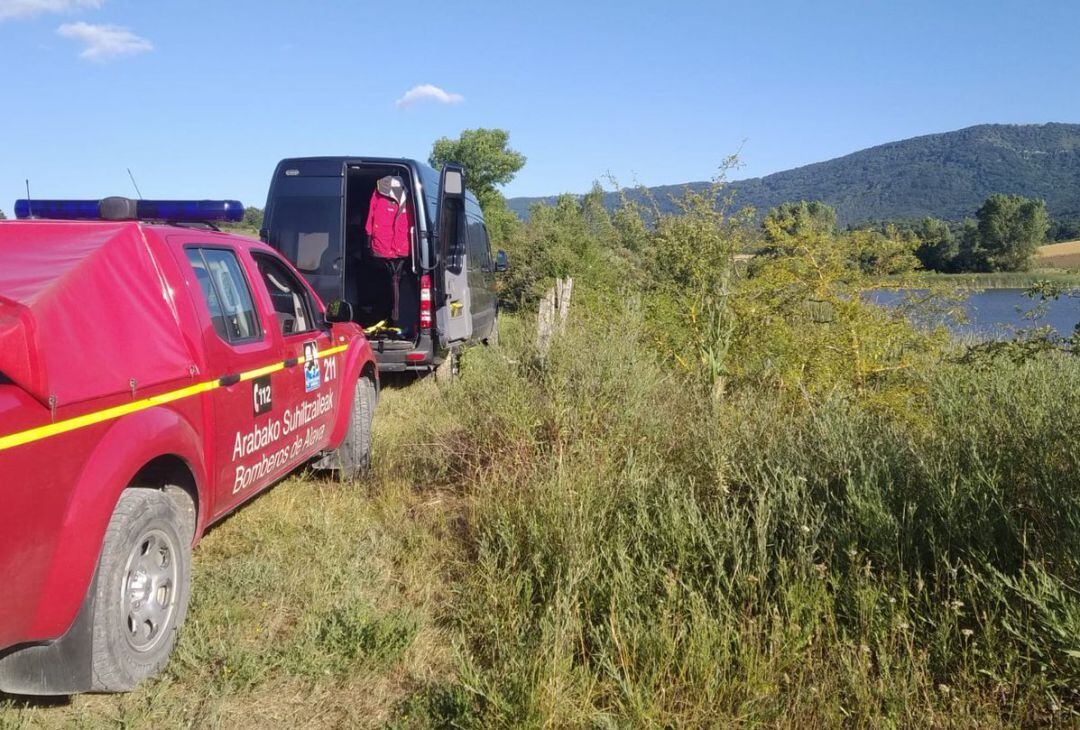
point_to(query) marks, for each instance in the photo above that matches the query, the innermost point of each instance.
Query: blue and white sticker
(312, 373)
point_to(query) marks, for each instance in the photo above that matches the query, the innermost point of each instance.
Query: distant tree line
(1004, 235)
(1067, 229)
(879, 250)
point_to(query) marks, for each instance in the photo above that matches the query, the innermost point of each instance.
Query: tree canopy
(789, 220)
(489, 162)
(938, 245)
(253, 217)
(1011, 228)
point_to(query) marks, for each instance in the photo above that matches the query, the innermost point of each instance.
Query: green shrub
(638, 553)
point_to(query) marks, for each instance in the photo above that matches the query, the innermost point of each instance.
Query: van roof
(333, 165)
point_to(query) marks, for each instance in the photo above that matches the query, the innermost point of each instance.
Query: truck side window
(227, 295)
(290, 298)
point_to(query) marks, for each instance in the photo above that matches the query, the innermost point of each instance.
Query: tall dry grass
(633, 553)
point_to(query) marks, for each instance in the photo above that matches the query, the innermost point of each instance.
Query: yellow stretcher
(381, 327)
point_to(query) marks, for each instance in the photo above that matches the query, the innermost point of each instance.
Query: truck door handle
(230, 379)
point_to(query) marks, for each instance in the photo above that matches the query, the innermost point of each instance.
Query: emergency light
(122, 209)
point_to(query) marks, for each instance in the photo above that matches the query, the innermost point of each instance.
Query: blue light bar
(67, 210)
(179, 211)
(190, 211)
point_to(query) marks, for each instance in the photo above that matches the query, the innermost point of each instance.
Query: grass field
(1064, 255)
(997, 280)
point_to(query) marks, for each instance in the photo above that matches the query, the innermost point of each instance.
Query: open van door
(453, 316)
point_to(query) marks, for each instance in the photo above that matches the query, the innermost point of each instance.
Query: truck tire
(354, 454)
(141, 587)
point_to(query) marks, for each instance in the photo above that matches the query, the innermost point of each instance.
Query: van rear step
(388, 345)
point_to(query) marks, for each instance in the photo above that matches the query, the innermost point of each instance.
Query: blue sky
(201, 99)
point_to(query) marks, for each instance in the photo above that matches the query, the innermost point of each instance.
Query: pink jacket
(388, 227)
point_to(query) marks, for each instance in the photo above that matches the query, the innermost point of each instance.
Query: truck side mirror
(337, 311)
(502, 263)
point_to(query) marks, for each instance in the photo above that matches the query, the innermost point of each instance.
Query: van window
(456, 253)
(305, 223)
(429, 182)
(289, 297)
(479, 253)
(226, 293)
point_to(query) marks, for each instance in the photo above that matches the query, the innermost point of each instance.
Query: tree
(489, 162)
(794, 220)
(253, 218)
(883, 252)
(1011, 228)
(938, 247)
(2, 216)
(1067, 229)
(970, 255)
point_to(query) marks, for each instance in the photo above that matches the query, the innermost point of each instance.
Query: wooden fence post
(554, 309)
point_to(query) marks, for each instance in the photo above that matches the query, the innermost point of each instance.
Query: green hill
(942, 175)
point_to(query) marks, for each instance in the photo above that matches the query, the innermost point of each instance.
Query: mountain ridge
(945, 175)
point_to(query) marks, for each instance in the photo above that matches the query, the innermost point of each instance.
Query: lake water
(997, 313)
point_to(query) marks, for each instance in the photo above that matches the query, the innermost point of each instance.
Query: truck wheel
(354, 454)
(142, 585)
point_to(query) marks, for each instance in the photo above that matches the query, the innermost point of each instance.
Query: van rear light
(425, 302)
(415, 356)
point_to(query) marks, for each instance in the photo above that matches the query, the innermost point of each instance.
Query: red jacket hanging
(388, 226)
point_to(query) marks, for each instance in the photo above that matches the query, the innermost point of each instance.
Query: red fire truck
(155, 374)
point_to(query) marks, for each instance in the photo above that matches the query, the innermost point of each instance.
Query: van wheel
(141, 589)
(354, 454)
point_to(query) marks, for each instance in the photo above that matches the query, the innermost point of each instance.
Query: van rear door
(454, 314)
(304, 221)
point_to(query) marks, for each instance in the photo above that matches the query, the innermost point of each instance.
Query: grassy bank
(661, 559)
(997, 280)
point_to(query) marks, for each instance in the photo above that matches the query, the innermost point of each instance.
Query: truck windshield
(305, 226)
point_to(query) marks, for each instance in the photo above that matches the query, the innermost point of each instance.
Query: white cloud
(10, 9)
(105, 41)
(428, 91)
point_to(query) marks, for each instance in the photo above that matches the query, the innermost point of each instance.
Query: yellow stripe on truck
(90, 419)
